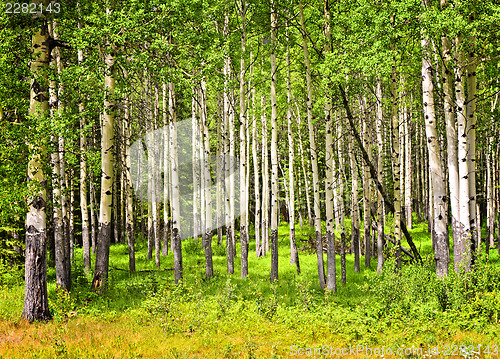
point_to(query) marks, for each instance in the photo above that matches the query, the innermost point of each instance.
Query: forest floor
(144, 315)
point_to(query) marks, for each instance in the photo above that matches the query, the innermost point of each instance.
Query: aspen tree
(314, 154)
(354, 205)
(380, 173)
(256, 176)
(129, 199)
(174, 190)
(475, 223)
(408, 169)
(294, 254)
(107, 160)
(207, 185)
(228, 115)
(462, 252)
(396, 163)
(303, 165)
(87, 264)
(451, 138)
(265, 181)
(61, 225)
(331, 280)
(366, 184)
(437, 177)
(166, 170)
(243, 140)
(340, 189)
(156, 204)
(274, 151)
(331, 283)
(36, 306)
(197, 165)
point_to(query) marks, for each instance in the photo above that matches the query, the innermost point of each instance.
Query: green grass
(144, 314)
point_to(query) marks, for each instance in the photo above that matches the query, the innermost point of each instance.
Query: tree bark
(36, 306)
(294, 254)
(107, 159)
(451, 139)
(380, 188)
(437, 176)
(314, 153)
(274, 151)
(380, 174)
(463, 250)
(243, 140)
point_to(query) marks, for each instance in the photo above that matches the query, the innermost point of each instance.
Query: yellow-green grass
(143, 315)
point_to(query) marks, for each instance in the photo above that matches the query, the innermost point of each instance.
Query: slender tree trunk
(228, 115)
(107, 151)
(243, 140)
(255, 158)
(408, 176)
(265, 182)
(303, 163)
(156, 204)
(451, 139)
(354, 206)
(396, 162)
(366, 184)
(437, 176)
(294, 254)
(166, 171)
(380, 174)
(129, 209)
(274, 151)
(207, 187)
(314, 154)
(340, 178)
(462, 252)
(175, 200)
(331, 281)
(475, 224)
(36, 306)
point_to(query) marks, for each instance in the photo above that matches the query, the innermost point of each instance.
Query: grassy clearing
(144, 315)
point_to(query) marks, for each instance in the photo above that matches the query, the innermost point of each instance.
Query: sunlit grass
(225, 316)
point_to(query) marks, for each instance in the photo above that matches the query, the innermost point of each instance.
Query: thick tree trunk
(314, 154)
(107, 158)
(437, 176)
(36, 306)
(256, 176)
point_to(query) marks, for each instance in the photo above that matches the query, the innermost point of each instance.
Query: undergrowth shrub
(10, 275)
(416, 291)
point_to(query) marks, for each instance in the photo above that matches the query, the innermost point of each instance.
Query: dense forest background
(279, 129)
